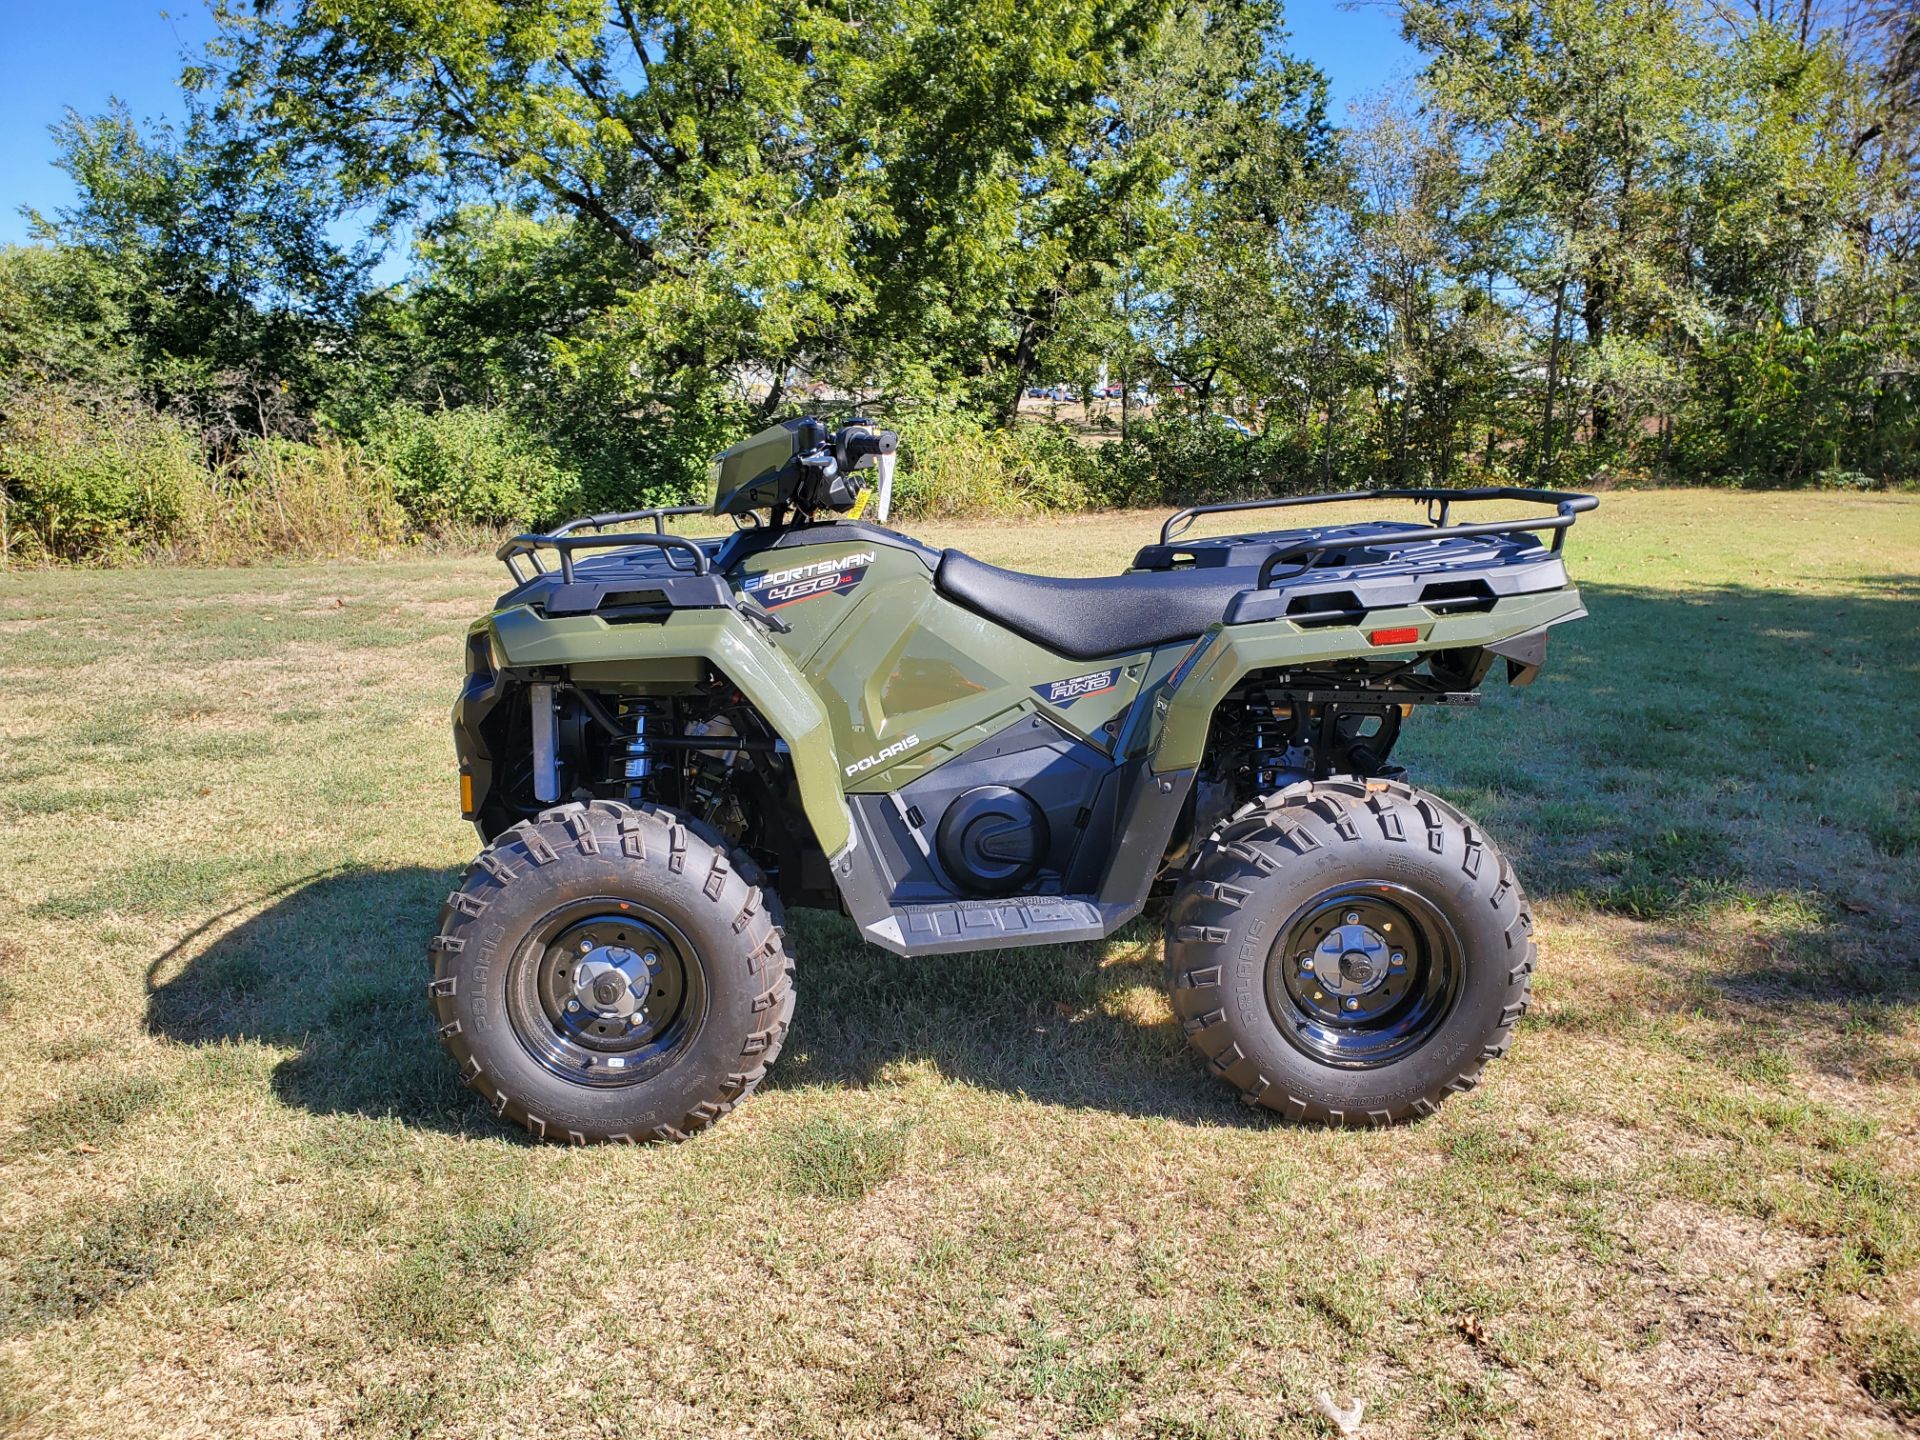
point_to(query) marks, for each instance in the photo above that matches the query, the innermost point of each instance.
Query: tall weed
(282, 497)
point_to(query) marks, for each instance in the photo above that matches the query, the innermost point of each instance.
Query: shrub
(469, 467)
(628, 459)
(1190, 459)
(1061, 471)
(282, 497)
(95, 476)
(951, 464)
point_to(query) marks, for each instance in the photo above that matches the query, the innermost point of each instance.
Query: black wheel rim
(1363, 975)
(606, 992)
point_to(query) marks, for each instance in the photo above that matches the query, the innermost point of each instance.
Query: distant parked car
(1039, 392)
(1238, 427)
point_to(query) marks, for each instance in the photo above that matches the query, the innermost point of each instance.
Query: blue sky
(79, 53)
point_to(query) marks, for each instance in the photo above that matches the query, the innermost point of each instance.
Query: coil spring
(1277, 759)
(632, 754)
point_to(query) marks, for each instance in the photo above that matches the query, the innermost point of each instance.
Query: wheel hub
(1352, 960)
(606, 992)
(612, 981)
(1362, 974)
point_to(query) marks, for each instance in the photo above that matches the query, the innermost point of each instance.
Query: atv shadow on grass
(1082, 1026)
(333, 966)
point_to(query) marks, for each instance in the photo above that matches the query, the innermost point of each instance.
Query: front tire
(1349, 952)
(607, 972)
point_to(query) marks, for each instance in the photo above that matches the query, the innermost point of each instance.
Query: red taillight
(1399, 635)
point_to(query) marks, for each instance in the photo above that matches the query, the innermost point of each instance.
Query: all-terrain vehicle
(665, 740)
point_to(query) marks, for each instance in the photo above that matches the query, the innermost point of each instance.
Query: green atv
(665, 740)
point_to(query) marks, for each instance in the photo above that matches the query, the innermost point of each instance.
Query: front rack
(563, 541)
(1568, 505)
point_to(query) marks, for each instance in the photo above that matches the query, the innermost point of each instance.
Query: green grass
(67, 1277)
(241, 1191)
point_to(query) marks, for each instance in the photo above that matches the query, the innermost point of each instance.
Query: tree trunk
(776, 392)
(1593, 312)
(1020, 365)
(1545, 471)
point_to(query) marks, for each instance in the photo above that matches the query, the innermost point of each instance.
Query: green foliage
(1638, 241)
(1795, 405)
(63, 318)
(207, 253)
(954, 464)
(736, 172)
(1712, 254)
(656, 455)
(1178, 458)
(470, 466)
(92, 476)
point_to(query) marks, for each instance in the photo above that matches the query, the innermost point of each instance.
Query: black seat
(1086, 619)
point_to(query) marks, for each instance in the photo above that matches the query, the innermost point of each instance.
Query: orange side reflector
(466, 793)
(1399, 635)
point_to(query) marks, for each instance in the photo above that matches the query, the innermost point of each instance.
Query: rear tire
(1349, 952)
(607, 972)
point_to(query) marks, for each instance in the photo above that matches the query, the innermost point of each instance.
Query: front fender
(592, 650)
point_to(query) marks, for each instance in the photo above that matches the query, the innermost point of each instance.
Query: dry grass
(240, 1192)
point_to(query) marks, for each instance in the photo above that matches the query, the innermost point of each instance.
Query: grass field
(241, 1193)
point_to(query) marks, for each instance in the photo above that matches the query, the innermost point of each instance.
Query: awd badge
(1064, 692)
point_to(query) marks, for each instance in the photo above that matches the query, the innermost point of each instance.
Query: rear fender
(593, 651)
(1182, 717)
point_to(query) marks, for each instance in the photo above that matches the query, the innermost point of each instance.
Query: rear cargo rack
(1568, 505)
(563, 541)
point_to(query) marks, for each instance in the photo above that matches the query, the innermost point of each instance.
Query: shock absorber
(640, 723)
(1279, 758)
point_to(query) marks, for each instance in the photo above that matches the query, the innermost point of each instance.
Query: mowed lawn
(241, 1193)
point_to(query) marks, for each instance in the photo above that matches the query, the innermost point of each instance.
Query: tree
(216, 272)
(1205, 172)
(1583, 127)
(772, 184)
(63, 320)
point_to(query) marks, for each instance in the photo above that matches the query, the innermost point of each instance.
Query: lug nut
(1306, 962)
(1353, 917)
(653, 961)
(1399, 957)
(1353, 1002)
(586, 947)
(573, 1004)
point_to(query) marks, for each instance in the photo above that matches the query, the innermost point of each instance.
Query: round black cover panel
(992, 839)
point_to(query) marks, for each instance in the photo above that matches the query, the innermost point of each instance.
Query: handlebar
(857, 443)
